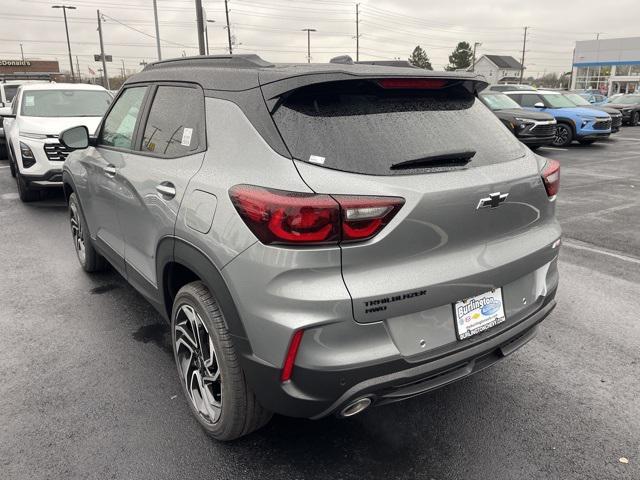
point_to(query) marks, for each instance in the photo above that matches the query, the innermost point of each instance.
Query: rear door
(153, 178)
(358, 138)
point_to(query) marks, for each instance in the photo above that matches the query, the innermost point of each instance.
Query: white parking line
(556, 148)
(580, 246)
(5, 166)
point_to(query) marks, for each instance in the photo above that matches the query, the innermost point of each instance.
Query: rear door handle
(109, 170)
(166, 189)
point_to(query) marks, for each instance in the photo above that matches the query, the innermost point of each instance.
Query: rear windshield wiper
(452, 159)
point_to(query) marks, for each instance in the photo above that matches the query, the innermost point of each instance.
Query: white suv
(38, 113)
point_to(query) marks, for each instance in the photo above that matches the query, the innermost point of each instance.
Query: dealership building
(610, 65)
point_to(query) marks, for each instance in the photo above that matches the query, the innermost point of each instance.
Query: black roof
(505, 61)
(243, 72)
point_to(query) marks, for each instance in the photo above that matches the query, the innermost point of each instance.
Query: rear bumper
(320, 393)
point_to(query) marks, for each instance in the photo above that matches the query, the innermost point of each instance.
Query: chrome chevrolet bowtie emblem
(492, 201)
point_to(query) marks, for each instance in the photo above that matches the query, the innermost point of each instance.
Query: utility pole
(66, 27)
(78, 69)
(524, 46)
(475, 46)
(105, 76)
(155, 15)
(357, 32)
(143, 63)
(226, 11)
(123, 72)
(308, 30)
(22, 52)
(201, 46)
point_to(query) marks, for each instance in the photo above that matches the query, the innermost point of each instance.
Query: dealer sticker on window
(479, 313)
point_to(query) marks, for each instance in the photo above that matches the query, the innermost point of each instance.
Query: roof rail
(227, 61)
(342, 59)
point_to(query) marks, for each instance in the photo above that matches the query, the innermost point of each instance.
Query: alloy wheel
(562, 135)
(77, 233)
(198, 364)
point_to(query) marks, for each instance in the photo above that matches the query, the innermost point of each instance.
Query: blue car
(585, 125)
(593, 98)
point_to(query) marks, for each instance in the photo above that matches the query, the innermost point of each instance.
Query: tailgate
(439, 148)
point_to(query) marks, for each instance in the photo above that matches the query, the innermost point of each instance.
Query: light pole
(206, 33)
(155, 16)
(200, 22)
(66, 27)
(309, 30)
(475, 46)
(22, 52)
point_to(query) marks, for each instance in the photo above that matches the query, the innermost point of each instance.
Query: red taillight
(287, 368)
(413, 83)
(294, 218)
(551, 177)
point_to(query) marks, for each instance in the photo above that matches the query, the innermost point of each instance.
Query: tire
(90, 260)
(586, 142)
(212, 380)
(635, 119)
(27, 194)
(564, 135)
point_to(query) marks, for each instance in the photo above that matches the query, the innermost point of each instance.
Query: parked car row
(38, 113)
(579, 116)
(321, 240)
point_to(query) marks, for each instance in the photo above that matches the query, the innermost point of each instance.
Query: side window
(517, 97)
(120, 123)
(175, 126)
(529, 100)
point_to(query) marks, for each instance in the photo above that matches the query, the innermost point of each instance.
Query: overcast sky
(272, 28)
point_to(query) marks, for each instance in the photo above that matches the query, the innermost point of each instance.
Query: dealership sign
(15, 63)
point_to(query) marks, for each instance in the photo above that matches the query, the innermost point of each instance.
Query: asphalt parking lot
(89, 389)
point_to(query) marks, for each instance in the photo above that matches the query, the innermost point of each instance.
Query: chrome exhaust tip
(356, 407)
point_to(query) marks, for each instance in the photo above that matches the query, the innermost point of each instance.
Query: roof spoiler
(276, 90)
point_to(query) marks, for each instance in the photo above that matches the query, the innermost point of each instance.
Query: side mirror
(592, 100)
(75, 138)
(539, 105)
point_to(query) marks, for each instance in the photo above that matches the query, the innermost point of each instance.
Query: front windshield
(557, 100)
(577, 99)
(499, 101)
(65, 103)
(628, 99)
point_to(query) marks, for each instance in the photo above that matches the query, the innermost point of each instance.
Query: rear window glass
(359, 127)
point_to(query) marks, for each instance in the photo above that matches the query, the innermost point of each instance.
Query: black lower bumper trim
(536, 141)
(54, 176)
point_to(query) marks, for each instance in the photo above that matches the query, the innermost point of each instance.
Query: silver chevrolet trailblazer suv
(322, 237)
